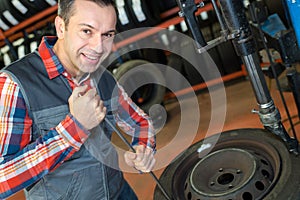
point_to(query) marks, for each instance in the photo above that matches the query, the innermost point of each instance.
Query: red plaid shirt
(22, 161)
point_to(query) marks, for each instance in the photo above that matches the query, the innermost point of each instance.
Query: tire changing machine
(244, 164)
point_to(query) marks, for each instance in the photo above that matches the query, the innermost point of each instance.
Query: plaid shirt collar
(53, 65)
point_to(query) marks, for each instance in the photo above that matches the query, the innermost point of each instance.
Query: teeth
(91, 57)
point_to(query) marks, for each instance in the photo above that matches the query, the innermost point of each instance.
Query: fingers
(100, 111)
(87, 107)
(96, 101)
(143, 160)
(78, 91)
(92, 93)
(129, 158)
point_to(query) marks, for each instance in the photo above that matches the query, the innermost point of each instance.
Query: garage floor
(239, 102)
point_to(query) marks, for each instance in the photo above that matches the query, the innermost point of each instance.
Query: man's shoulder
(25, 63)
(26, 58)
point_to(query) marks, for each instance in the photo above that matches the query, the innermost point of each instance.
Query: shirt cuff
(72, 131)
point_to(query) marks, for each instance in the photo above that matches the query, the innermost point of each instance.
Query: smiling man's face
(87, 40)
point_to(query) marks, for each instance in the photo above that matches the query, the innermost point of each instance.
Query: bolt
(221, 169)
(200, 5)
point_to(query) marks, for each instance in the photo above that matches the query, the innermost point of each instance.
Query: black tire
(4, 24)
(155, 56)
(276, 177)
(124, 18)
(166, 5)
(175, 62)
(30, 4)
(2, 63)
(147, 95)
(31, 8)
(192, 72)
(44, 4)
(7, 17)
(147, 15)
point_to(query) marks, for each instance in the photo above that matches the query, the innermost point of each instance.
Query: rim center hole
(225, 179)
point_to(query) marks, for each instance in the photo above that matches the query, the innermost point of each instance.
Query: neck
(80, 79)
(69, 67)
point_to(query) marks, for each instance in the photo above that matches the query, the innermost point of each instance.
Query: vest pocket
(57, 187)
(49, 118)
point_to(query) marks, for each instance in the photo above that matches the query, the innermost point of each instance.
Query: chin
(89, 69)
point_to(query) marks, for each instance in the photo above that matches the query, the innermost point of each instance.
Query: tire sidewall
(154, 72)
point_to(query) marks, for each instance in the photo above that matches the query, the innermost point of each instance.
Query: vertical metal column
(244, 44)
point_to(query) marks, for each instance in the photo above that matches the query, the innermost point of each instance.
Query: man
(55, 104)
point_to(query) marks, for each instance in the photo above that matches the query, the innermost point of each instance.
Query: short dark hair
(66, 8)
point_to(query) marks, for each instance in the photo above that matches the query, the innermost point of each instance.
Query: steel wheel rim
(262, 175)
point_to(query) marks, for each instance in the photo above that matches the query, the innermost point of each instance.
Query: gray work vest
(82, 176)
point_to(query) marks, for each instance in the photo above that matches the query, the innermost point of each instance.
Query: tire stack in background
(133, 14)
(136, 13)
(13, 12)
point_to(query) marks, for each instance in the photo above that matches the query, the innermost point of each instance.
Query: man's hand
(143, 160)
(87, 107)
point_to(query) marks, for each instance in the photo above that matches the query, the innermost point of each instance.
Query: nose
(96, 43)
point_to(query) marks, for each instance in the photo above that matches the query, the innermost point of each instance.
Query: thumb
(129, 157)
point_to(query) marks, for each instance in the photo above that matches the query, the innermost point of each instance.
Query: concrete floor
(239, 102)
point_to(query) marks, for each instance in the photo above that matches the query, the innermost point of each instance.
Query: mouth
(91, 58)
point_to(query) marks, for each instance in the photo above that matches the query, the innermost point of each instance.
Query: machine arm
(244, 44)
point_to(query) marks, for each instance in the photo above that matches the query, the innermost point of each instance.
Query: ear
(59, 26)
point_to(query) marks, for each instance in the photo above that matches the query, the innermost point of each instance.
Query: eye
(87, 31)
(108, 35)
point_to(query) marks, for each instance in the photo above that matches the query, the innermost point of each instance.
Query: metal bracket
(188, 9)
